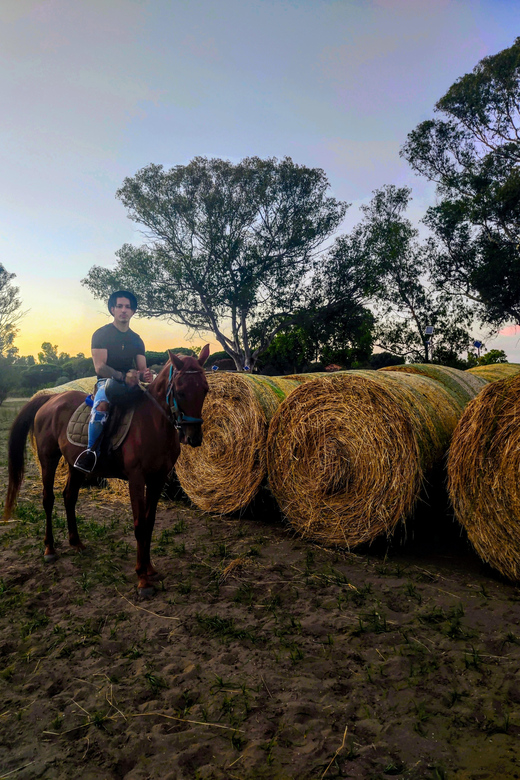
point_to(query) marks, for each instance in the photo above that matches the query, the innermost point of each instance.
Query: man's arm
(140, 361)
(99, 356)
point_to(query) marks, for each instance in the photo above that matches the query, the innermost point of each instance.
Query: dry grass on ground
(261, 656)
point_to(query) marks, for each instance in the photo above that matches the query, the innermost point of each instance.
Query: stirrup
(86, 461)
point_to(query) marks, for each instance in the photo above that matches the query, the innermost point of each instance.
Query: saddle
(118, 426)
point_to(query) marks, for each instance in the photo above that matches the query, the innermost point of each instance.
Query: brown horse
(170, 415)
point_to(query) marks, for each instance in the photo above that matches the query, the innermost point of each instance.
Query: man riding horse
(115, 350)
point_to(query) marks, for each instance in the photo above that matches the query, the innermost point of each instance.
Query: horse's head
(187, 390)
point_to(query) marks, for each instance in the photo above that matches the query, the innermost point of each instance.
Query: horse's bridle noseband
(179, 418)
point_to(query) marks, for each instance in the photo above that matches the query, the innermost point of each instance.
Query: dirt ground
(260, 656)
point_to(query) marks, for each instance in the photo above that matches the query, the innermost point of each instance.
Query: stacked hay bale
(462, 383)
(483, 468)
(347, 454)
(224, 474)
(84, 385)
(495, 371)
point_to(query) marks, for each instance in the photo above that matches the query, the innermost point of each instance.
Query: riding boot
(87, 460)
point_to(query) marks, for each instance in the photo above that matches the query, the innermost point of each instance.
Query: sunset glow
(94, 93)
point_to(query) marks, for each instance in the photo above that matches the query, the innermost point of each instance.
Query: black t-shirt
(122, 348)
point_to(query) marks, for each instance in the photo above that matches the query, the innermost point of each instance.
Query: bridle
(178, 417)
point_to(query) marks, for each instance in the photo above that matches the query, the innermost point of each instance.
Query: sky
(94, 90)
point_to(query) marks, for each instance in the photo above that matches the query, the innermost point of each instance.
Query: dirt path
(262, 657)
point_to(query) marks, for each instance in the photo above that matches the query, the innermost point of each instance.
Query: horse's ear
(175, 360)
(204, 355)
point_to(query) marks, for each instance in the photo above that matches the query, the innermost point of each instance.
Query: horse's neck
(158, 387)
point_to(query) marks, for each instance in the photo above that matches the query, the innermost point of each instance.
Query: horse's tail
(20, 429)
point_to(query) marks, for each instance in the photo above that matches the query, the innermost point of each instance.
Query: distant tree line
(23, 375)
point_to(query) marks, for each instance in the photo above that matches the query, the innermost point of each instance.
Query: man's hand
(132, 377)
(147, 376)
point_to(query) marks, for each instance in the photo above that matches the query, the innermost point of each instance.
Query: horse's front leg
(143, 509)
(154, 486)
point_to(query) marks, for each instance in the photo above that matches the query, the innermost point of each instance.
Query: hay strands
(483, 468)
(348, 454)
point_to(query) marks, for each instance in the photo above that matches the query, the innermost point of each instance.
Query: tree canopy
(472, 153)
(227, 246)
(341, 336)
(10, 312)
(49, 354)
(398, 273)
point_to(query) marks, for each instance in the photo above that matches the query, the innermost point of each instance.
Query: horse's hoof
(79, 548)
(50, 558)
(146, 593)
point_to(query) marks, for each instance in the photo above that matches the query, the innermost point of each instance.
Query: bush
(156, 358)
(384, 359)
(39, 376)
(78, 367)
(216, 356)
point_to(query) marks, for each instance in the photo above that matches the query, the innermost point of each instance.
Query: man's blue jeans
(97, 419)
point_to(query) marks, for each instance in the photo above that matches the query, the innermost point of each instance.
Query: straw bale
(84, 385)
(348, 454)
(495, 371)
(461, 383)
(224, 474)
(483, 468)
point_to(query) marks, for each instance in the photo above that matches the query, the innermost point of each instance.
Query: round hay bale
(461, 383)
(85, 385)
(495, 371)
(483, 468)
(347, 454)
(224, 474)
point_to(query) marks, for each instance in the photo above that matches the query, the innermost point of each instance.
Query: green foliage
(493, 356)
(7, 378)
(49, 354)
(23, 376)
(400, 277)
(185, 351)
(473, 153)
(78, 367)
(383, 359)
(230, 245)
(289, 353)
(155, 358)
(220, 355)
(342, 336)
(10, 311)
(10, 314)
(39, 376)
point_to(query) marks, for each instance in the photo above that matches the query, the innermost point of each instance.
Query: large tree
(472, 153)
(228, 246)
(400, 277)
(10, 311)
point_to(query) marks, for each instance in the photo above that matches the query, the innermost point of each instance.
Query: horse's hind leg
(49, 466)
(70, 497)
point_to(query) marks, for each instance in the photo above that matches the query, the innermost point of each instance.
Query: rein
(157, 404)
